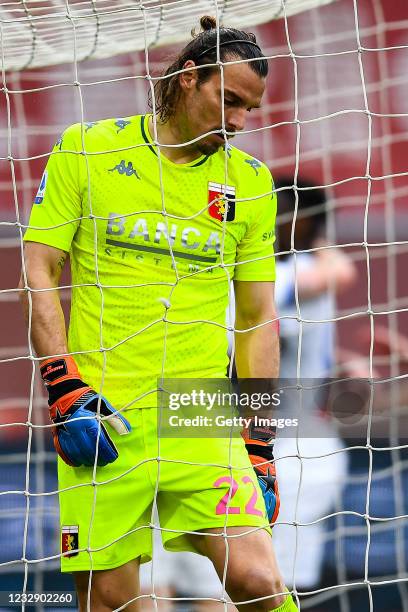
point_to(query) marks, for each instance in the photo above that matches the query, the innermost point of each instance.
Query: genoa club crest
(221, 201)
(70, 540)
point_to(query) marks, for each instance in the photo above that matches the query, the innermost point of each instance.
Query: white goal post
(35, 33)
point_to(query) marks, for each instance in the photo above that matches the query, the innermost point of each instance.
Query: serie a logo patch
(221, 201)
(70, 540)
(41, 190)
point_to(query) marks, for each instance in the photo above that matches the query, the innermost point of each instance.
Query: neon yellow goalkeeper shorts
(107, 522)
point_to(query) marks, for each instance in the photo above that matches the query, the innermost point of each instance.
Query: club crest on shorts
(41, 190)
(221, 201)
(70, 540)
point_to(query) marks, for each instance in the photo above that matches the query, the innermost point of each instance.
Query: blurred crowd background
(337, 151)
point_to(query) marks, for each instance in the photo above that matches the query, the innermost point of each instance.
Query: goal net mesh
(335, 112)
(40, 33)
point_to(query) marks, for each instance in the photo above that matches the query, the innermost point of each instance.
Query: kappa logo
(70, 540)
(221, 201)
(89, 125)
(125, 168)
(121, 124)
(41, 190)
(254, 163)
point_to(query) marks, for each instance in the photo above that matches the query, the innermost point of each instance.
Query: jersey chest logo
(221, 201)
(126, 169)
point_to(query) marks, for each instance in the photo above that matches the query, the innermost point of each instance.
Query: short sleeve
(255, 253)
(57, 207)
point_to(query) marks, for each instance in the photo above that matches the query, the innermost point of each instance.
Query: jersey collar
(144, 122)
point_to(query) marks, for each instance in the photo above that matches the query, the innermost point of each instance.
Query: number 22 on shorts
(225, 505)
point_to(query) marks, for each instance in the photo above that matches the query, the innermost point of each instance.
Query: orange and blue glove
(77, 412)
(259, 443)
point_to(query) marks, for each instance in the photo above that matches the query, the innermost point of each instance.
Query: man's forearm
(48, 333)
(257, 351)
(257, 356)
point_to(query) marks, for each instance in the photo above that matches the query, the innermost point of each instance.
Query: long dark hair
(203, 50)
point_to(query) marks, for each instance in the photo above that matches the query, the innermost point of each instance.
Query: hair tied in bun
(208, 23)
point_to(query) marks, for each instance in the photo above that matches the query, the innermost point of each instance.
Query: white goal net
(334, 116)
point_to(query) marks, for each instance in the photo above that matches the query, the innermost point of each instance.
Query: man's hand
(259, 444)
(76, 410)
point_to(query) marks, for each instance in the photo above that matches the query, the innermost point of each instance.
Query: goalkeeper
(154, 233)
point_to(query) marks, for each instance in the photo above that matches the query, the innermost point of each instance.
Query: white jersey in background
(320, 479)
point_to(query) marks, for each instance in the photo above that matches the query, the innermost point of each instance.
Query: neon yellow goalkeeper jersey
(152, 247)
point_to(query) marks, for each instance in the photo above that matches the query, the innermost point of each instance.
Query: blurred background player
(308, 486)
(383, 414)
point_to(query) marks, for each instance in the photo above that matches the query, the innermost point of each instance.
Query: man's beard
(206, 147)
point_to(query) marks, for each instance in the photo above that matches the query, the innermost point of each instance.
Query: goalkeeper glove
(259, 444)
(73, 410)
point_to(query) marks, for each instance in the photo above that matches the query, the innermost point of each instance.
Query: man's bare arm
(256, 351)
(332, 269)
(44, 265)
(257, 356)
